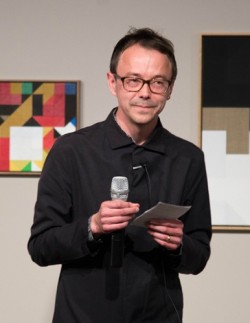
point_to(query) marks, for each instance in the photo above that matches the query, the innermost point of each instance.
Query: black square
(226, 70)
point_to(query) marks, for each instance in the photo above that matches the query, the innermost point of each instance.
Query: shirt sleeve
(58, 235)
(197, 222)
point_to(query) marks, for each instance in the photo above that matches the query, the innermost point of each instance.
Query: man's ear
(111, 83)
(170, 89)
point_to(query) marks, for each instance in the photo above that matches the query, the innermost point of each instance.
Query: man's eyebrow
(133, 75)
(140, 76)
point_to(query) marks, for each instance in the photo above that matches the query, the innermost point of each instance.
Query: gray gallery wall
(73, 40)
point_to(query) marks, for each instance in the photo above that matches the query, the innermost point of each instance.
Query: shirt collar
(118, 138)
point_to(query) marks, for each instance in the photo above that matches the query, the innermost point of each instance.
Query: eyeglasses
(135, 84)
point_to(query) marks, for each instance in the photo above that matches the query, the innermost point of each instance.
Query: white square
(26, 143)
(214, 147)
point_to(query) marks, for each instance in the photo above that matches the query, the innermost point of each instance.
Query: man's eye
(158, 82)
(134, 81)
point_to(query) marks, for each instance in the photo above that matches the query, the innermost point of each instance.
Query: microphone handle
(117, 248)
(119, 191)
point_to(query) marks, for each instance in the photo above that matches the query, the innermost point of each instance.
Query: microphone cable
(148, 184)
(143, 165)
(167, 294)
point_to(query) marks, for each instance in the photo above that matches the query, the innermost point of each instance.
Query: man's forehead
(137, 59)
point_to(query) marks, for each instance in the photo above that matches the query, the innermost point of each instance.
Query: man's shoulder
(180, 145)
(81, 138)
(83, 132)
(92, 129)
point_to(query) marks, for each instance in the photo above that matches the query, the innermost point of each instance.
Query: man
(75, 216)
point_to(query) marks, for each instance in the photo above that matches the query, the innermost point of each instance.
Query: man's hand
(167, 233)
(112, 215)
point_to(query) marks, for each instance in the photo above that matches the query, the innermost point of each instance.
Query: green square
(27, 88)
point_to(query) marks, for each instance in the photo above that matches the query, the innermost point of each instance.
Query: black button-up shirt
(75, 180)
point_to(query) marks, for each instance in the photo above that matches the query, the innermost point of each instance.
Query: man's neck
(137, 132)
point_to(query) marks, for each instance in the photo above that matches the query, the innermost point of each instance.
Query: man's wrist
(90, 234)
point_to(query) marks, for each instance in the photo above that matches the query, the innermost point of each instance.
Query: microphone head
(119, 188)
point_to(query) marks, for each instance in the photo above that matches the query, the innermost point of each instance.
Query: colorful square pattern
(32, 116)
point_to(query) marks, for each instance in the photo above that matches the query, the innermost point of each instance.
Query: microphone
(119, 191)
(140, 163)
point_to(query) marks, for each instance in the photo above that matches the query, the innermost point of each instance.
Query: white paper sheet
(160, 211)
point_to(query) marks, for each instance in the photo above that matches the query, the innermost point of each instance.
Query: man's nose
(145, 90)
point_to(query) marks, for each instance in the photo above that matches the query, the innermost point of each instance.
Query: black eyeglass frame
(148, 82)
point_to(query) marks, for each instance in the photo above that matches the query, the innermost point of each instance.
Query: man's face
(143, 107)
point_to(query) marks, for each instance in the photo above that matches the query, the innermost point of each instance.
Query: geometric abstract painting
(225, 128)
(33, 114)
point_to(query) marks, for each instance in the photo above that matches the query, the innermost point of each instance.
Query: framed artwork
(225, 127)
(33, 114)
